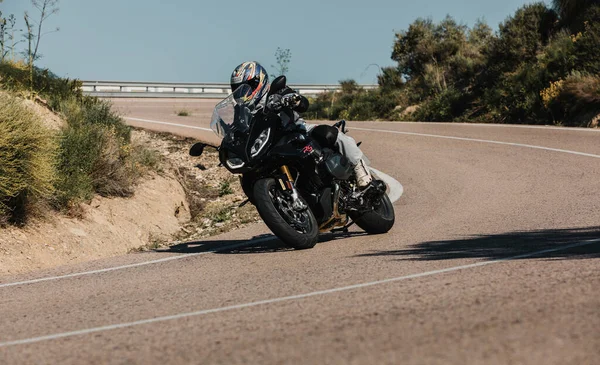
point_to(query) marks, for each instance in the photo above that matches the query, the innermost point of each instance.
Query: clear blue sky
(203, 40)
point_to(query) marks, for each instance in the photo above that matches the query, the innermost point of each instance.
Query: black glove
(274, 102)
(291, 100)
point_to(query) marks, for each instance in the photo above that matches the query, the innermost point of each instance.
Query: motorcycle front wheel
(297, 229)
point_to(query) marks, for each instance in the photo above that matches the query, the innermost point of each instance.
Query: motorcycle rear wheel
(298, 230)
(379, 220)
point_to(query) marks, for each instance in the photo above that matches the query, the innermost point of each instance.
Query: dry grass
(27, 160)
(196, 192)
(96, 154)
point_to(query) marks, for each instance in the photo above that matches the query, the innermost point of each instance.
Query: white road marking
(419, 134)
(166, 259)
(547, 127)
(86, 331)
(165, 123)
(481, 140)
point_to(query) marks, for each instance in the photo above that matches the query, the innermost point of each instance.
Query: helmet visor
(243, 94)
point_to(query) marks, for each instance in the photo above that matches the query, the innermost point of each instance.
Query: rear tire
(273, 217)
(379, 220)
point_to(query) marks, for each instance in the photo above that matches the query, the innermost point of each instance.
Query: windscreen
(224, 119)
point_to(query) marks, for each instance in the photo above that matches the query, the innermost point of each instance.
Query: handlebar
(291, 99)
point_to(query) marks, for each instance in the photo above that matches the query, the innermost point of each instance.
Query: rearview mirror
(278, 84)
(197, 149)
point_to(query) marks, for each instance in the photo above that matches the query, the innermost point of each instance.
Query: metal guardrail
(132, 89)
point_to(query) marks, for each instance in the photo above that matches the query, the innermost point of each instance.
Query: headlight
(260, 142)
(235, 163)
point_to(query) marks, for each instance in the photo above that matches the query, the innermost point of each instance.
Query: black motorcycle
(299, 182)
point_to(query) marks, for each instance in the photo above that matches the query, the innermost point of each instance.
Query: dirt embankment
(107, 227)
(186, 198)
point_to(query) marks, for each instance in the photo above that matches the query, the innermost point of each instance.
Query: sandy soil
(214, 195)
(108, 227)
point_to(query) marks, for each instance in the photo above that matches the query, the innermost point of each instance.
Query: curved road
(494, 259)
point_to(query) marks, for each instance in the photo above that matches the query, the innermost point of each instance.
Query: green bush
(578, 100)
(27, 155)
(319, 107)
(525, 72)
(91, 155)
(587, 42)
(80, 148)
(95, 153)
(143, 159)
(353, 103)
(94, 111)
(441, 108)
(225, 188)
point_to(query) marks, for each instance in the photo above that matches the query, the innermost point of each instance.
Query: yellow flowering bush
(550, 93)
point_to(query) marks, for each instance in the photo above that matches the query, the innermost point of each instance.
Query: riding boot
(363, 175)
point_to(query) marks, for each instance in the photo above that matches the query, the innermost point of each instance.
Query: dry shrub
(196, 192)
(584, 90)
(80, 148)
(579, 100)
(14, 76)
(95, 153)
(92, 154)
(112, 174)
(144, 159)
(27, 153)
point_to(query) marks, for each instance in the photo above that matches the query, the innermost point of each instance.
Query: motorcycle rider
(289, 104)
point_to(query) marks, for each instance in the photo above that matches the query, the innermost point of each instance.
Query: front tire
(247, 183)
(379, 220)
(298, 230)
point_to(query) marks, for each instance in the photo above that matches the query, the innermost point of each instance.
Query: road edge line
(56, 336)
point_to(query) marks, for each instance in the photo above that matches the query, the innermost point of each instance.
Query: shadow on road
(257, 244)
(500, 246)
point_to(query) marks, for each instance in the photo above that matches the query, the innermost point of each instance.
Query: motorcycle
(299, 182)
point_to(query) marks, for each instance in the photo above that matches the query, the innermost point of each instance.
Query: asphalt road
(494, 259)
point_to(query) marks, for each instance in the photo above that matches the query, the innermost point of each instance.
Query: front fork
(287, 184)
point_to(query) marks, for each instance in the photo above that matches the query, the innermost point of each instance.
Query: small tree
(4, 25)
(283, 58)
(572, 12)
(7, 36)
(390, 79)
(34, 34)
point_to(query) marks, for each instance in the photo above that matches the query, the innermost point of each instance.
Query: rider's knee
(325, 135)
